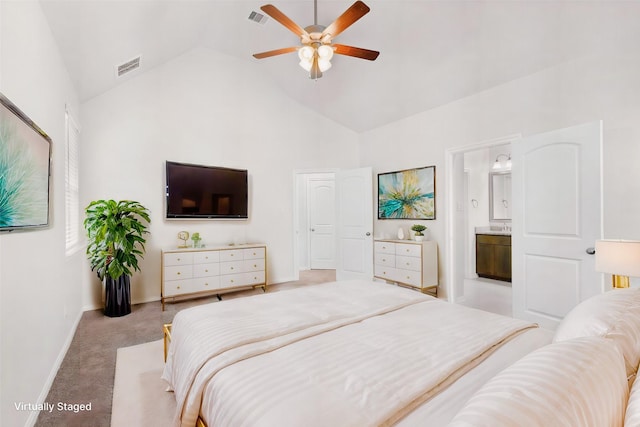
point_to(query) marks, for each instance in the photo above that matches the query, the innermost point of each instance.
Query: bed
(352, 353)
(359, 353)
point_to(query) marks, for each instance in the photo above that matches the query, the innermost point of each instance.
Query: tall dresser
(194, 272)
(408, 263)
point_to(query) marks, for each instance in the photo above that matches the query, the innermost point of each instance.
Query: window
(72, 196)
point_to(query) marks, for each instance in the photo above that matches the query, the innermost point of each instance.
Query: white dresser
(407, 262)
(195, 272)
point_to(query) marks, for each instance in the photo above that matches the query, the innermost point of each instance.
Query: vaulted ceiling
(431, 52)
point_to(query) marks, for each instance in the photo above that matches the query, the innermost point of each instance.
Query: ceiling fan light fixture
(306, 53)
(325, 52)
(305, 64)
(324, 64)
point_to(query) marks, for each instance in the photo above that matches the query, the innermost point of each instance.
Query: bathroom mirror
(499, 196)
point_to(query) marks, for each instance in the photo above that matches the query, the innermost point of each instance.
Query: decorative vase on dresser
(408, 263)
(195, 272)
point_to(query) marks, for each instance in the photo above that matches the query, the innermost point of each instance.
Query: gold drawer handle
(206, 271)
(231, 280)
(178, 287)
(407, 250)
(232, 254)
(384, 259)
(232, 268)
(408, 264)
(255, 265)
(178, 273)
(206, 284)
(178, 259)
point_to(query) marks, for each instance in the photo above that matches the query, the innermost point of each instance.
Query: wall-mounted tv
(205, 192)
(25, 159)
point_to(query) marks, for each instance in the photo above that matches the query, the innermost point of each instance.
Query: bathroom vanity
(493, 255)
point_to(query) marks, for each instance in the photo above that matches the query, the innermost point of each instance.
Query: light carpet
(139, 396)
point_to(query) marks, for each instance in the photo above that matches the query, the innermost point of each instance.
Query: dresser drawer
(231, 255)
(181, 258)
(231, 267)
(409, 277)
(206, 257)
(409, 263)
(253, 253)
(385, 248)
(202, 284)
(232, 280)
(407, 249)
(253, 265)
(254, 278)
(206, 270)
(177, 287)
(385, 272)
(388, 260)
(176, 272)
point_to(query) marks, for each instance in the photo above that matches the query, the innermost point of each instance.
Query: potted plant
(196, 240)
(418, 228)
(116, 239)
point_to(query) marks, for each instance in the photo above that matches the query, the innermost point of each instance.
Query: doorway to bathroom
(481, 205)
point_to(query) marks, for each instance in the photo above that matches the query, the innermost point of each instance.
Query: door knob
(591, 251)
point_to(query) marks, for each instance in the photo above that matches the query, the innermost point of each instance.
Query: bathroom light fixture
(498, 164)
(620, 258)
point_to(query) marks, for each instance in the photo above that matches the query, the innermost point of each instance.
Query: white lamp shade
(619, 257)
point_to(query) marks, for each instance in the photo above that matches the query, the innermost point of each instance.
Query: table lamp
(621, 258)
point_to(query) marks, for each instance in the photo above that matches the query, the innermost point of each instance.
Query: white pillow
(579, 382)
(632, 417)
(614, 314)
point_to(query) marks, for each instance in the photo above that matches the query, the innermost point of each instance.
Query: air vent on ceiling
(258, 17)
(128, 66)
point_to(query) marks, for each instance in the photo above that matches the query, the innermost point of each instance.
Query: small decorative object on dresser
(183, 235)
(400, 233)
(408, 263)
(197, 240)
(418, 228)
(195, 272)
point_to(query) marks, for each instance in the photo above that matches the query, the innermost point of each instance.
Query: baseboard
(33, 417)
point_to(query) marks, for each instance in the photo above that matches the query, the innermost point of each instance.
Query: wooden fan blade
(270, 53)
(357, 52)
(276, 14)
(351, 15)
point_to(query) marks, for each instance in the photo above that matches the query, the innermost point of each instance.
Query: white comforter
(342, 354)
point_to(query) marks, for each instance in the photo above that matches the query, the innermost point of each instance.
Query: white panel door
(322, 237)
(354, 220)
(557, 217)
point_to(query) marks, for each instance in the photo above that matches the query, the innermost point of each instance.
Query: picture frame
(407, 194)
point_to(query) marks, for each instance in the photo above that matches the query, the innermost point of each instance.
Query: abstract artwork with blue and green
(24, 171)
(407, 194)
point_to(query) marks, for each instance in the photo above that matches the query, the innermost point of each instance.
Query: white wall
(40, 292)
(591, 89)
(206, 108)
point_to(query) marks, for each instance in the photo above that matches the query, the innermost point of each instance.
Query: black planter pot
(117, 298)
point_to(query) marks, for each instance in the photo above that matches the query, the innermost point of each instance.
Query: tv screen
(25, 153)
(197, 191)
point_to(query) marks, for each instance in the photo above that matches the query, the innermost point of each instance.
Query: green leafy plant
(116, 236)
(418, 228)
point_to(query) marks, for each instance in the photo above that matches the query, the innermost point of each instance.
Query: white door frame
(451, 198)
(297, 174)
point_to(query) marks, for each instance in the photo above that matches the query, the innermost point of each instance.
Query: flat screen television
(211, 192)
(25, 171)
